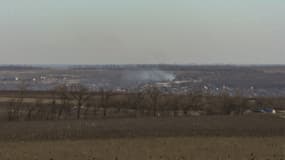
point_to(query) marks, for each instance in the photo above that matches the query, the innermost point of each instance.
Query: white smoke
(149, 75)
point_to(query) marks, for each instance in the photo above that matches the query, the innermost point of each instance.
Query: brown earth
(178, 148)
(222, 126)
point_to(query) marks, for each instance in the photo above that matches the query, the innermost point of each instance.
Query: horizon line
(138, 64)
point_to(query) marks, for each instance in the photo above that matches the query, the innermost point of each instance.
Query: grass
(223, 126)
(192, 138)
(178, 148)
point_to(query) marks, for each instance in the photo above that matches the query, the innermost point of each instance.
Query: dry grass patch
(179, 148)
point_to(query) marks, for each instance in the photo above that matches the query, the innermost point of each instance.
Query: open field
(179, 148)
(248, 137)
(223, 137)
(222, 126)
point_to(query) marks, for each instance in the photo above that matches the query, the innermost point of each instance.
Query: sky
(142, 31)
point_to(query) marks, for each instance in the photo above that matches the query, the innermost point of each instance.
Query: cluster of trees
(77, 102)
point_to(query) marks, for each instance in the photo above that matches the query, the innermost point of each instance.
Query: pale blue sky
(142, 31)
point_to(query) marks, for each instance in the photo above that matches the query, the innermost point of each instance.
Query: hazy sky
(142, 31)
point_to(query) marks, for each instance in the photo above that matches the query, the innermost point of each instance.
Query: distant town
(244, 80)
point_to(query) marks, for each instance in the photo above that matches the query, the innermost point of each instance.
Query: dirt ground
(178, 148)
(223, 126)
(194, 138)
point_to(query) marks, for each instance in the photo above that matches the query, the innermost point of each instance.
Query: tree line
(78, 102)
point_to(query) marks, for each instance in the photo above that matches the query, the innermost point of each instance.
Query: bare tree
(104, 100)
(153, 94)
(64, 100)
(88, 105)
(80, 95)
(192, 101)
(41, 112)
(12, 110)
(138, 102)
(135, 101)
(30, 109)
(53, 106)
(15, 105)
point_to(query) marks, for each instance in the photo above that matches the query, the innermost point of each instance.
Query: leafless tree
(80, 94)
(135, 100)
(88, 106)
(192, 101)
(53, 106)
(64, 100)
(16, 104)
(41, 110)
(30, 109)
(153, 94)
(138, 102)
(12, 110)
(104, 100)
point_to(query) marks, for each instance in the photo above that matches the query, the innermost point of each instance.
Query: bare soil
(178, 148)
(222, 126)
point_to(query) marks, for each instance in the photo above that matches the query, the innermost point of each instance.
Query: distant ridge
(132, 66)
